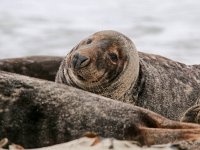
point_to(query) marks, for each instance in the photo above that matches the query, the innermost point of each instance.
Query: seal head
(105, 63)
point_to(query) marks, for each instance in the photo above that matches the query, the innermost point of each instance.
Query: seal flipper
(192, 115)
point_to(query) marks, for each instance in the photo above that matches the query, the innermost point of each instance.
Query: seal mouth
(100, 78)
(89, 78)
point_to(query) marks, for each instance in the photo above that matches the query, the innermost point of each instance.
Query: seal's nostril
(82, 58)
(79, 61)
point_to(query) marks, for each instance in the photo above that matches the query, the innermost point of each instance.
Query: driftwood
(37, 113)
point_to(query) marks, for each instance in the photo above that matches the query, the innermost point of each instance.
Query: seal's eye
(113, 57)
(89, 41)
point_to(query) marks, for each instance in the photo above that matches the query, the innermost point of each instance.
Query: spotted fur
(150, 81)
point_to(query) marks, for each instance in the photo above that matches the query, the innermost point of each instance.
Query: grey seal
(107, 63)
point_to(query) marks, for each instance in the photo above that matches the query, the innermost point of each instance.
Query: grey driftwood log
(36, 113)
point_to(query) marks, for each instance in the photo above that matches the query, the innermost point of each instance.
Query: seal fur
(146, 80)
(128, 74)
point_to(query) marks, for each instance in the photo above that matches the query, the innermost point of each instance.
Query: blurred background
(52, 27)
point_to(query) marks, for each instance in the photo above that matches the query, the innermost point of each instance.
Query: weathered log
(36, 113)
(43, 67)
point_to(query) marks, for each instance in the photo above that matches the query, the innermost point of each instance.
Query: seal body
(167, 87)
(107, 63)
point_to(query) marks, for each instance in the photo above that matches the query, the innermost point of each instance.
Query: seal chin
(85, 77)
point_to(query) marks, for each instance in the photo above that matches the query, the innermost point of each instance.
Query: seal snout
(79, 61)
